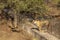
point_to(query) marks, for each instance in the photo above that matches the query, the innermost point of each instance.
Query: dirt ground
(7, 34)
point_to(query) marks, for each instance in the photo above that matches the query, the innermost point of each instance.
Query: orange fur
(40, 23)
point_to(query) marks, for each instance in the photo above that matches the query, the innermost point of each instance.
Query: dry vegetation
(18, 17)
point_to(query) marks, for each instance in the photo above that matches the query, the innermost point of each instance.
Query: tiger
(41, 24)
